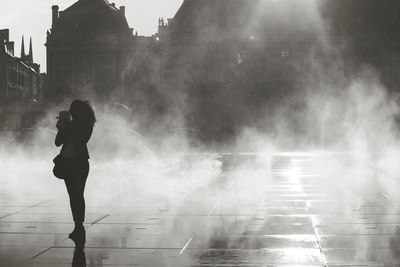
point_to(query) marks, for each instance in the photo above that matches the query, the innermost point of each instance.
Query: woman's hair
(82, 111)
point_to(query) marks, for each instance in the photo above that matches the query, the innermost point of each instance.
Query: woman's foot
(78, 236)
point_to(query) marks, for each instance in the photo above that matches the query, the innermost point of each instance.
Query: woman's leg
(76, 187)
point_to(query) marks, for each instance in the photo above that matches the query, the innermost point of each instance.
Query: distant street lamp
(123, 106)
(239, 59)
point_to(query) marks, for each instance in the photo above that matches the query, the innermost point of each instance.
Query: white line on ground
(221, 197)
(219, 200)
(186, 245)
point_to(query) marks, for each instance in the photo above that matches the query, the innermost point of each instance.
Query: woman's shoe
(78, 236)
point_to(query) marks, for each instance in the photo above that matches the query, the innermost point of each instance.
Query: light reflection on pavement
(284, 214)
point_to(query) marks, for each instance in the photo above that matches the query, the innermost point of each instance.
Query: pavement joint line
(309, 215)
(136, 199)
(98, 220)
(208, 215)
(131, 223)
(63, 240)
(222, 196)
(35, 222)
(107, 215)
(125, 204)
(37, 255)
(186, 245)
(186, 194)
(30, 233)
(121, 248)
(27, 208)
(356, 223)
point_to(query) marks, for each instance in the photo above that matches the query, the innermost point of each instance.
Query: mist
(334, 116)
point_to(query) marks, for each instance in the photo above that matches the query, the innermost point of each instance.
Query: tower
(30, 55)
(23, 49)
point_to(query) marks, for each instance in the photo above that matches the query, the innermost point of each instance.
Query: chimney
(10, 47)
(122, 10)
(55, 15)
(4, 35)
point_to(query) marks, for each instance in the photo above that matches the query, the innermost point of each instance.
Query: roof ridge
(86, 3)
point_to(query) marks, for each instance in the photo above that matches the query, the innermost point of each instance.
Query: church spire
(23, 48)
(30, 56)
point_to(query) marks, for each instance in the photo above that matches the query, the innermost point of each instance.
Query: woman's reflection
(79, 259)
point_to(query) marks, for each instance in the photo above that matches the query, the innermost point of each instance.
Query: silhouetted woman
(73, 135)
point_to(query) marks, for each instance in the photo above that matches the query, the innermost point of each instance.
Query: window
(284, 53)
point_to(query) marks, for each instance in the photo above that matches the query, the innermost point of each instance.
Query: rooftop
(89, 21)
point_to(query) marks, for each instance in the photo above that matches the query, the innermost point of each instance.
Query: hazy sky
(33, 18)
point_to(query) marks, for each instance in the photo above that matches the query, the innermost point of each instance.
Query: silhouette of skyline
(33, 18)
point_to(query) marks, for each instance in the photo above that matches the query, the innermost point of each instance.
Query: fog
(343, 118)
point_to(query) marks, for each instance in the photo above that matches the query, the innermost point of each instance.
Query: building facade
(221, 62)
(87, 49)
(232, 59)
(237, 60)
(21, 85)
(19, 76)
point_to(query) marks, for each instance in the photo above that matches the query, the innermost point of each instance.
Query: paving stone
(361, 256)
(292, 218)
(248, 257)
(19, 254)
(12, 209)
(129, 241)
(254, 242)
(24, 239)
(357, 241)
(47, 218)
(113, 257)
(42, 228)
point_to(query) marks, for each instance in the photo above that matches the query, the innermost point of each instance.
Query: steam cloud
(345, 115)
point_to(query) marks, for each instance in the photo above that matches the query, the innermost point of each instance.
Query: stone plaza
(277, 212)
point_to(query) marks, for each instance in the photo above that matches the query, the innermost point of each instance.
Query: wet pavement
(286, 214)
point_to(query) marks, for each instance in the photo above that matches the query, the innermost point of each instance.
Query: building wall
(87, 60)
(79, 70)
(222, 61)
(20, 87)
(18, 80)
(21, 80)
(3, 73)
(230, 60)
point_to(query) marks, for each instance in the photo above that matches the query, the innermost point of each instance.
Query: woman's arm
(60, 138)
